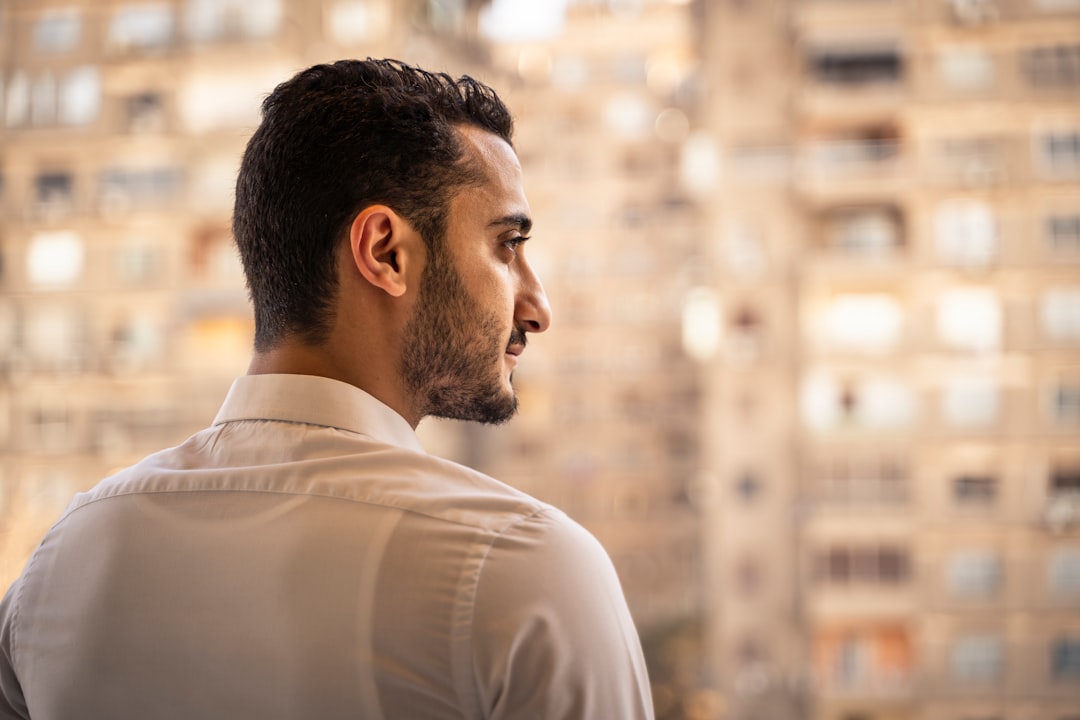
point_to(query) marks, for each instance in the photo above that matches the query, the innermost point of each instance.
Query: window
(745, 332)
(136, 341)
(1059, 313)
(1065, 479)
(1054, 67)
(444, 17)
(55, 258)
(80, 96)
(138, 263)
(977, 658)
(892, 565)
(356, 21)
(134, 188)
(54, 194)
(208, 20)
(862, 322)
(966, 68)
(225, 97)
(972, 490)
(701, 323)
(857, 65)
(864, 231)
(969, 402)
(972, 161)
(1065, 659)
(1064, 571)
(145, 112)
(862, 480)
(974, 574)
(1065, 405)
(866, 565)
(1062, 232)
(141, 27)
(71, 99)
(1058, 153)
(970, 319)
(974, 12)
(57, 31)
(52, 334)
(871, 657)
(870, 402)
(965, 232)
(868, 150)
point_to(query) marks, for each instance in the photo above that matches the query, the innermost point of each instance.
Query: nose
(532, 312)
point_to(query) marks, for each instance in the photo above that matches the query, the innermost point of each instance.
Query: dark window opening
(974, 489)
(857, 67)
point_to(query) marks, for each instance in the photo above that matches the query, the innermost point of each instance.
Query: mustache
(517, 337)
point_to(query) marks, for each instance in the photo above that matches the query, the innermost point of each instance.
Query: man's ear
(382, 248)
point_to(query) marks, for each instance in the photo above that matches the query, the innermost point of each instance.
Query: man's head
(380, 216)
(334, 139)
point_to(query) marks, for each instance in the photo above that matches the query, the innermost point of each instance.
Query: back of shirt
(277, 570)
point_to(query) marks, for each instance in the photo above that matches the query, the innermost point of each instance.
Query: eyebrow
(521, 221)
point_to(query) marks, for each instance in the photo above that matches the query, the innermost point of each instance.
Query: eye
(513, 243)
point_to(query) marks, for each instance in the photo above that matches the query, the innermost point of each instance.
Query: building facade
(909, 174)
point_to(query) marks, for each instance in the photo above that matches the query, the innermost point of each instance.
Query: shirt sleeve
(552, 635)
(12, 703)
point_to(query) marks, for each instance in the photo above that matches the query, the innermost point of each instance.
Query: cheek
(495, 293)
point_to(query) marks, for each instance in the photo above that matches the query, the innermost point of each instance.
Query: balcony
(1061, 513)
(864, 79)
(864, 166)
(874, 660)
(983, 13)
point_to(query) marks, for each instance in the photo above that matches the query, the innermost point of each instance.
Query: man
(303, 557)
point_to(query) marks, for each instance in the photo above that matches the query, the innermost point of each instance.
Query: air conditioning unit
(1062, 512)
(974, 12)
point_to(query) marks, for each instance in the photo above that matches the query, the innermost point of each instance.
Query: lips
(517, 343)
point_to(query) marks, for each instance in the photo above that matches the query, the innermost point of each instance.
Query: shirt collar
(314, 400)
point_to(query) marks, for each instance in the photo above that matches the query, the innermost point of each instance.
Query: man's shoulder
(345, 468)
(459, 493)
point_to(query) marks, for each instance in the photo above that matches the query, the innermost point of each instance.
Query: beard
(450, 358)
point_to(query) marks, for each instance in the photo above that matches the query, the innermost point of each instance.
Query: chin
(493, 405)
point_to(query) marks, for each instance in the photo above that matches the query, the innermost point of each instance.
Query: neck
(373, 376)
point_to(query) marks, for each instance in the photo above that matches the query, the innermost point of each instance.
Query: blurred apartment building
(815, 270)
(895, 219)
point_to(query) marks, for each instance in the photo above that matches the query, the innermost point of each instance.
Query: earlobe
(377, 241)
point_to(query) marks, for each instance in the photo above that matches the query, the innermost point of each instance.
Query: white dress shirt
(303, 557)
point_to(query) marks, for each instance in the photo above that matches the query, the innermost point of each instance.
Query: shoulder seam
(518, 515)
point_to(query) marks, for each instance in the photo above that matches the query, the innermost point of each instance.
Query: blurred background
(814, 374)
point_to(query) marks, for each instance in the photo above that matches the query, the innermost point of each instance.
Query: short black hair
(334, 139)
